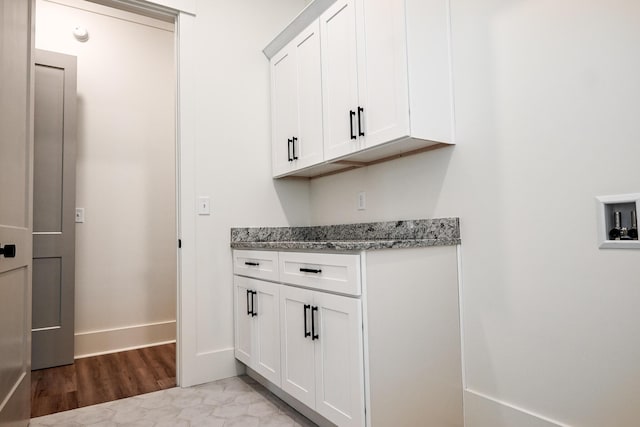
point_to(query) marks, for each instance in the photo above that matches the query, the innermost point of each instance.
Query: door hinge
(179, 243)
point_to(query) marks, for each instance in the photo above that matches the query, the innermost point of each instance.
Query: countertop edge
(347, 245)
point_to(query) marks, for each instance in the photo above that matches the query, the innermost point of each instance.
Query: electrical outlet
(362, 201)
(79, 215)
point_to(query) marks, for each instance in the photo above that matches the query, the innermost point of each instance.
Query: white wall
(232, 166)
(126, 249)
(547, 111)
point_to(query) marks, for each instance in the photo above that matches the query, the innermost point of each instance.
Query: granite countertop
(351, 237)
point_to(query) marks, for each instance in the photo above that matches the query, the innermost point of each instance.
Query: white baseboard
(210, 366)
(94, 343)
(481, 410)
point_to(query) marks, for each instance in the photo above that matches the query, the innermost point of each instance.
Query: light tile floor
(230, 402)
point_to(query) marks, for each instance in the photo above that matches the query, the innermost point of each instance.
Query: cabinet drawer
(258, 264)
(326, 272)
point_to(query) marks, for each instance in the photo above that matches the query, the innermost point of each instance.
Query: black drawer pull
(306, 331)
(293, 142)
(289, 142)
(255, 264)
(352, 115)
(248, 309)
(254, 313)
(314, 336)
(360, 110)
(310, 270)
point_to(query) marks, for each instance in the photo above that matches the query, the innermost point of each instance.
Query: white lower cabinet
(322, 353)
(257, 332)
(339, 333)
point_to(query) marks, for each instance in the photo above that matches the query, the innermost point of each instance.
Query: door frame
(182, 12)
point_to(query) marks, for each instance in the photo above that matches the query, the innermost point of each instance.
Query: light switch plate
(79, 215)
(204, 205)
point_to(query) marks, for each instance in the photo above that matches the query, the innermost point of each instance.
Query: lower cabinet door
(266, 331)
(297, 351)
(257, 326)
(243, 320)
(339, 359)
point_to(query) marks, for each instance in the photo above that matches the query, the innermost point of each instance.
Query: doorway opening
(126, 248)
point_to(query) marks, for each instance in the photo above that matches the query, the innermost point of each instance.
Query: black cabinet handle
(310, 270)
(289, 141)
(306, 331)
(9, 251)
(248, 309)
(360, 110)
(314, 336)
(254, 264)
(352, 114)
(293, 143)
(254, 313)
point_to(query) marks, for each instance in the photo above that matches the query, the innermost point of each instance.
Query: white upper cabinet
(365, 84)
(296, 103)
(386, 82)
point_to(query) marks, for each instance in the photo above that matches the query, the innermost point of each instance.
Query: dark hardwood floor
(101, 379)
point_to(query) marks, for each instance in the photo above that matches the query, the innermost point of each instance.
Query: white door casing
(192, 367)
(193, 364)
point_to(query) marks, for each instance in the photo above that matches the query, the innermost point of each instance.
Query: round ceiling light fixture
(81, 34)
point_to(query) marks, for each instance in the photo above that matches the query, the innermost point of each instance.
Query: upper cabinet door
(384, 90)
(296, 100)
(284, 109)
(308, 143)
(340, 79)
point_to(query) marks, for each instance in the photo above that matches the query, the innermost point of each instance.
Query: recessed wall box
(617, 221)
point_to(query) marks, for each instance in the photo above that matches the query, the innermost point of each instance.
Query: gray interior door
(54, 196)
(16, 43)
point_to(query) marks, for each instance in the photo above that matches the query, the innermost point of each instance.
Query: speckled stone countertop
(351, 237)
